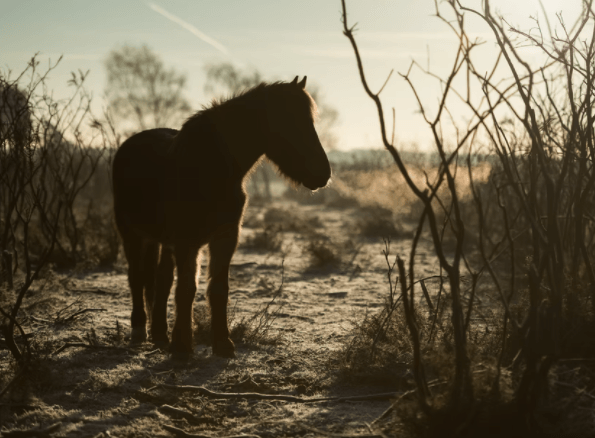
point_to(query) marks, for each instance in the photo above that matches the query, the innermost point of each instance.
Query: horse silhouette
(177, 191)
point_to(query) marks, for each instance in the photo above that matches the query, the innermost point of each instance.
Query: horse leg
(221, 249)
(187, 266)
(134, 249)
(150, 260)
(164, 280)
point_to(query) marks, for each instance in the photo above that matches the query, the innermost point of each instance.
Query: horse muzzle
(317, 183)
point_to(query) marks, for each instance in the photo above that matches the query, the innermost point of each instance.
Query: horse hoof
(138, 336)
(159, 340)
(179, 351)
(161, 343)
(224, 348)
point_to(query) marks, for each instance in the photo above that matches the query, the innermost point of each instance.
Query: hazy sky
(281, 38)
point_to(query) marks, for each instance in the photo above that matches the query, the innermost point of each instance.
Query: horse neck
(242, 129)
(224, 140)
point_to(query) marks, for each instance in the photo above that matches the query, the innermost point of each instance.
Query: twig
(355, 254)
(418, 368)
(578, 390)
(35, 318)
(7, 259)
(427, 295)
(25, 336)
(171, 410)
(431, 384)
(33, 433)
(94, 290)
(255, 395)
(80, 312)
(180, 432)
(384, 85)
(392, 406)
(7, 331)
(82, 344)
(12, 382)
(72, 344)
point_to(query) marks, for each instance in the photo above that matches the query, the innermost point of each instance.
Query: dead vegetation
(48, 174)
(526, 221)
(322, 251)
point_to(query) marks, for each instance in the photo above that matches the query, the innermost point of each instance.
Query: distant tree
(226, 78)
(142, 93)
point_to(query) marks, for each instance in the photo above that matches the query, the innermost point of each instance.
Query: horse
(176, 192)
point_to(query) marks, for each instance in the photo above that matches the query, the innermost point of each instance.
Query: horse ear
(294, 82)
(303, 82)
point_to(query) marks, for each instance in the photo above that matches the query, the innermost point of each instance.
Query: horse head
(293, 144)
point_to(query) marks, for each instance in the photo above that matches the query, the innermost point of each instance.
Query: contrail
(207, 39)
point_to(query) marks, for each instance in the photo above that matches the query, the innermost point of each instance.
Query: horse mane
(272, 92)
(258, 92)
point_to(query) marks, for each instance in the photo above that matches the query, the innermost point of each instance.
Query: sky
(280, 38)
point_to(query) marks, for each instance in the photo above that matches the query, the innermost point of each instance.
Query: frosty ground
(293, 310)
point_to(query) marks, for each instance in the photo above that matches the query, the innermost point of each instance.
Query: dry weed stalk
(462, 393)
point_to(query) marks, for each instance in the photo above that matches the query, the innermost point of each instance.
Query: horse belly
(173, 203)
(143, 212)
(195, 223)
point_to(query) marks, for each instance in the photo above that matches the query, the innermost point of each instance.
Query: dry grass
(256, 329)
(267, 238)
(375, 221)
(290, 220)
(378, 351)
(322, 251)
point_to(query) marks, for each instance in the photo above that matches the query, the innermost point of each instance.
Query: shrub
(376, 221)
(291, 221)
(322, 252)
(268, 238)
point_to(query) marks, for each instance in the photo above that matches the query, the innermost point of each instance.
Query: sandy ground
(112, 389)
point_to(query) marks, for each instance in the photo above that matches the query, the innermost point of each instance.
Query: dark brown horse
(176, 191)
